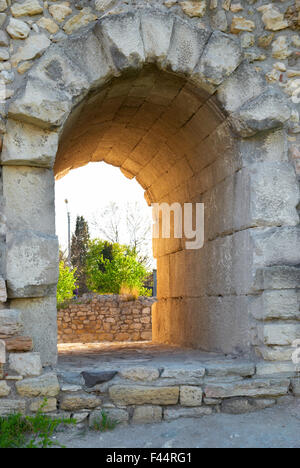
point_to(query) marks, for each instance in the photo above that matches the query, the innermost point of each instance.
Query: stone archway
(205, 128)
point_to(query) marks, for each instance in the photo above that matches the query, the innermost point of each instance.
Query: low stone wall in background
(94, 318)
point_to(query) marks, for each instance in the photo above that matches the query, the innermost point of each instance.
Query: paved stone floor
(77, 356)
(277, 427)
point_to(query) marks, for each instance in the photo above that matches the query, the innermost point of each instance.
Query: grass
(18, 431)
(105, 423)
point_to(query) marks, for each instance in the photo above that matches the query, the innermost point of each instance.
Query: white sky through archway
(89, 189)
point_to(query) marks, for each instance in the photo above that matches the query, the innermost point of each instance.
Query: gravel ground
(277, 427)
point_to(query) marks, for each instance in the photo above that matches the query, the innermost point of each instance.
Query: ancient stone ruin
(199, 101)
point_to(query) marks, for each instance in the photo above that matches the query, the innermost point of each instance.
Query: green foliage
(18, 431)
(105, 423)
(66, 283)
(111, 267)
(79, 248)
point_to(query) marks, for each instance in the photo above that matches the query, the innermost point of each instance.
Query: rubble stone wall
(96, 318)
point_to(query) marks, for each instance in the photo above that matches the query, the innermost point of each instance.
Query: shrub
(66, 283)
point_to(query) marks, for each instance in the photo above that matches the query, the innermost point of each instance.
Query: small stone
(24, 67)
(4, 53)
(219, 20)
(2, 19)
(45, 386)
(265, 40)
(2, 352)
(27, 8)
(33, 47)
(60, 11)
(26, 364)
(147, 414)
(79, 401)
(3, 42)
(82, 19)
(95, 378)
(48, 24)
(273, 18)
(103, 5)
(280, 49)
(190, 396)
(3, 5)
(247, 40)
(295, 41)
(240, 24)
(12, 406)
(17, 29)
(46, 407)
(194, 9)
(236, 7)
(280, 66)
(4, 389)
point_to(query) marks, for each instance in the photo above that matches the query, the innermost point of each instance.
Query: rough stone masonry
(197, 100)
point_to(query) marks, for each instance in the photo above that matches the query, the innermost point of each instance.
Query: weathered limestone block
(194, 8)
(147, 414)
(3, 292)
(12, 406)
(83, 18)
(267, 111)
(281, 334)
(79, 401)
(60, 11)
(26, 364)
(271, 305)
(139, 395)
(243, 84)
(18, 344)
(45, 106)
(27, 145)
(10, 322)
(4, 389)
(39, 404)
(32, 264)
(228, 368)
(112, 29)
(44, 386)
(27, 8)
(244, 405)
(23, 209)
(276, 246)
(170, 414)
(250, 388)
(240, 24)
(44, 337)
(2, 352)
(273, 19)
(220, 58)
(190, 396)
(269, 368)
(118, 415)
(186, 46)
(272, 198)
(177, 376)
(147, 374)
(85, 53)
(156, 30)
(278, 277)
(275, 353)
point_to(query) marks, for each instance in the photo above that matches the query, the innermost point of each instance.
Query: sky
(89, 190)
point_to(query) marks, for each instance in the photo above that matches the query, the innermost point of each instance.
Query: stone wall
(96, 318)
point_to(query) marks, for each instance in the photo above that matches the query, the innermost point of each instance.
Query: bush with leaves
(66, 283)
(113, 267)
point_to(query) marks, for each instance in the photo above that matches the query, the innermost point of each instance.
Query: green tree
(66, 283)
(79, 248)
(114, 267)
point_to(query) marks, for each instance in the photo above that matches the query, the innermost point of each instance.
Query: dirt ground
(277, 427)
